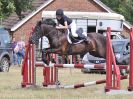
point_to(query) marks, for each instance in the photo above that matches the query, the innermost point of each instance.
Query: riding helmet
(59, 12)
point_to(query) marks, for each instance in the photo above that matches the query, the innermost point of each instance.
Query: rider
(65, 22)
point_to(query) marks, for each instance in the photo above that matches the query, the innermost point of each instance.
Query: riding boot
(82, 36)
(86, 39)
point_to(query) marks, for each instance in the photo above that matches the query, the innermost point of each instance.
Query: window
(91, 29)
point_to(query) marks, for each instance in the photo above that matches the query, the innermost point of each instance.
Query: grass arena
(10, 86)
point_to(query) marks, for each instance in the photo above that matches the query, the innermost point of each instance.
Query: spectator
(43, 45)
(14, 43)
(20, 50)
(45, 42)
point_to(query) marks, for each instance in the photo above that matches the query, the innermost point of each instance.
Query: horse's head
(41, 28)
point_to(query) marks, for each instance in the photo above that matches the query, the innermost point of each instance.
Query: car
(89, 59)
(121, 49)
(6, 52)
(116, 35)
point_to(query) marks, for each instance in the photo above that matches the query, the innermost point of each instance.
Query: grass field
(10, 86)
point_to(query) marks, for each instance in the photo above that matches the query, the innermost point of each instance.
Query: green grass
(10, 86)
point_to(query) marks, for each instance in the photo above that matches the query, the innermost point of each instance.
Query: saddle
(74, 39)
(80, 37)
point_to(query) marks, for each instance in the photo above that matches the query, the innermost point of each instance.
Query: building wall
(25, 30)
(67, 5)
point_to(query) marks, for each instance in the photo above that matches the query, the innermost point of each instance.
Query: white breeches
(73, 29)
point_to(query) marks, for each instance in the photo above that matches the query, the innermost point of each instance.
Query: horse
(60, 45)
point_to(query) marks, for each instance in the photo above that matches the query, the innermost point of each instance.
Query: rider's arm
(62, 27)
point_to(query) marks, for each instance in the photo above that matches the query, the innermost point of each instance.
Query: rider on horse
(65, 22)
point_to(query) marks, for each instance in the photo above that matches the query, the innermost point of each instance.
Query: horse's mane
(49, 21)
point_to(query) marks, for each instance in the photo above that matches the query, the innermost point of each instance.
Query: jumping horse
(60, 45)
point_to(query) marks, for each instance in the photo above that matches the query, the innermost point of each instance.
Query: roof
(14, 23)
(85, 15)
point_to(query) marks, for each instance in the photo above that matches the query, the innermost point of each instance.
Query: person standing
(14, 43)
(45, 43)
(20, 50)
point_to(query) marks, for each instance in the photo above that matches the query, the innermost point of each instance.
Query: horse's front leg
(46, 54)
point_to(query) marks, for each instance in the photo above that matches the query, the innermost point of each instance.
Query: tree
(9, 6)
(22, 6)
(124, 7)
(6, 8)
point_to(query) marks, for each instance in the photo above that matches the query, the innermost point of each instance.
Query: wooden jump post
(28, 67)
(130, 88)
(112, 80)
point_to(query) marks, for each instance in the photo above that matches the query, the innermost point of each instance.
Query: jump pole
(78, 66)
(86, 84)
(97, 82)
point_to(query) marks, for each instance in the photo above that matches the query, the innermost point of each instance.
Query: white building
(92, 21)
